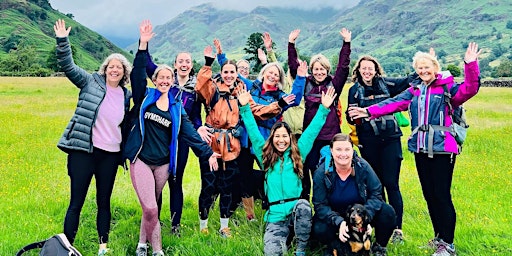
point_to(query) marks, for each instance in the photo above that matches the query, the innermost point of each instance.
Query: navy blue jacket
(369, 186)
(144, 96)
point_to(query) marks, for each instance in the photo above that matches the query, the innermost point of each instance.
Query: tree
(454, 70)
(254, 42)
(504, 69)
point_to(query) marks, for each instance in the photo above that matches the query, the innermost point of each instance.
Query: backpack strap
(31, 246)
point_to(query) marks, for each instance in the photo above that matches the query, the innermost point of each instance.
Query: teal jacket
(281, 182)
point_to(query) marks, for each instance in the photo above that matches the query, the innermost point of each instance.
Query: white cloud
(120, 18)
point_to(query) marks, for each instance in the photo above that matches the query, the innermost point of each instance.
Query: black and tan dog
(357, 220)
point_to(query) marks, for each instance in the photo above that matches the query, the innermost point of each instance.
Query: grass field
(34, 186)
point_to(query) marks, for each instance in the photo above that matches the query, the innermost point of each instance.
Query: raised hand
(218, 46)
(267, 41)
(302, 70)
(262, 56)
(146, 31)
(293, 36)
(328, 97)
(432, 52)
(243, 96)
(472, 52)
(212, 161)
(208, 51)
(346, 34)
(60, 28)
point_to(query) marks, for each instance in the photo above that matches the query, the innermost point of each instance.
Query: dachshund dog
(357, 220)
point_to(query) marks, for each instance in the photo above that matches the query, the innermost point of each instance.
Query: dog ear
(349, 211)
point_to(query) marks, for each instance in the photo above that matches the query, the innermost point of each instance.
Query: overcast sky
(120, 18)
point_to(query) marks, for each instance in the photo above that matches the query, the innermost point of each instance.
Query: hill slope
(390, 30)
(29, 25)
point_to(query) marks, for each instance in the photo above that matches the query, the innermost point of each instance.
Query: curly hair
(356, 75)
(271, 155)
(126, 66)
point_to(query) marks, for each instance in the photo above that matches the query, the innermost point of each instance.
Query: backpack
(57, 245)
(459, 125)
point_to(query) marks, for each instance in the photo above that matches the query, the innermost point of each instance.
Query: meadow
(34, 186)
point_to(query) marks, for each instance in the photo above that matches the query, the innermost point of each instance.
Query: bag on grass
(57, 245)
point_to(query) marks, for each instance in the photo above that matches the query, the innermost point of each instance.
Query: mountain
(390, 30)
(27, 26)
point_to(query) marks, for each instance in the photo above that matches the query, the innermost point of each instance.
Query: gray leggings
(148, 182)
(298, 222)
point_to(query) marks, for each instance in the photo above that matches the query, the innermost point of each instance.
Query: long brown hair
(271, 155)
(356, 75)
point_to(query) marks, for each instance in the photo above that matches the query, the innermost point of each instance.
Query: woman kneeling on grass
(431, 102)
(153, 142)
(282, 159)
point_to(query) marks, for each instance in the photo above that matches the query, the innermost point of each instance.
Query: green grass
(34, 186)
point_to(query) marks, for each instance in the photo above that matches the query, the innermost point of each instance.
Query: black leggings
(435, 176)
(385, 158)
(310, 166)
(216, 182)
(81, 167)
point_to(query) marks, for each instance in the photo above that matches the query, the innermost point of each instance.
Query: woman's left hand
(346, 34)
(243, 96)
(212, 161)
(328, 97)
(357, 112)
(472, 52)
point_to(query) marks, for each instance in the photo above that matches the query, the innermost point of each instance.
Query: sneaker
(175, 230)
(300, 253)
(250, 217)
(444, 249)
(397, 237)
(432, 243)
(103, 252)
(225, 232)
(205, 231)
(378, 250)
(141, 251)
(159, 253)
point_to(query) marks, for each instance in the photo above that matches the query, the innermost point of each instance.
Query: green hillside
(390, 30)
(26, 31)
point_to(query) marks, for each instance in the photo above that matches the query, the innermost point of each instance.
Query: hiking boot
(205, 231)
(378, 250)
(225, 232)
(175, 230)
(444, 249)
(397, 237)
(141, 251)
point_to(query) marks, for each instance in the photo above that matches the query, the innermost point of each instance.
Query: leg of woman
(105, 175)
(371, 150)
(310, 167)
(161, 174)
(302, 216)
(246, 184)
(384, 223)
(225, 185)
(208, 190)
(176, 186)
(391, 161)
(275, 237)
(80, 170)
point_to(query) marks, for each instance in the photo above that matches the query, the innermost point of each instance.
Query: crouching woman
(342, 180)
(282, 158)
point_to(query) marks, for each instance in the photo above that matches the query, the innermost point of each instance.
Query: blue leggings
(81, 167)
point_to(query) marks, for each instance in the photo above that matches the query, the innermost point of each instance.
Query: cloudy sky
(120, 18)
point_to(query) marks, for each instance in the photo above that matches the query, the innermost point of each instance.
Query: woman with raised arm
(431, 101)
(316, 83)
(94, 136)
(153, 141)
(282, 158)
(223, 119)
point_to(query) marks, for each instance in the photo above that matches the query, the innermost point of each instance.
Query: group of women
(244, 121)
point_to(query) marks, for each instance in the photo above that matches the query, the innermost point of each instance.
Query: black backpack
(57, 245)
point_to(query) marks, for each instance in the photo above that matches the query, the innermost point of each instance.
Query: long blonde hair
(271, 155)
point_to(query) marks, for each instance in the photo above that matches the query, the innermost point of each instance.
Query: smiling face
(367, 71)
(163, 80)
(243, 68)
(426, 70)
(319, 72)
(281, 139)
(114, 72)
(228, 74)
(271, 76)
(342, 153)
(183, 64)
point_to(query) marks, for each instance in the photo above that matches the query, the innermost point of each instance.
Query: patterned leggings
(279, 233)
(216, 182)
